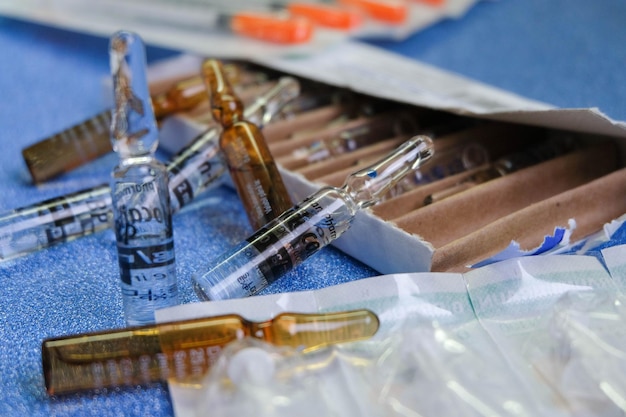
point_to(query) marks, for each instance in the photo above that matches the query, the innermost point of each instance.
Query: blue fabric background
(569, 53)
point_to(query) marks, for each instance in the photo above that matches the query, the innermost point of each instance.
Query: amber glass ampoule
(90, 139)
(69, 148)
(191, 92)
(250, 163)
(184, 351)
(184, 95)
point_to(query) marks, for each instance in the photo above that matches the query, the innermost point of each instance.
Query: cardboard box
(530, 205)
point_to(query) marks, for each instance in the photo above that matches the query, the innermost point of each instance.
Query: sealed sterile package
(614, 258)
(243, 27)
(394, 299)
(420, 370)
(536, 336)
(578, 348)
(518, 301)
(256, 378)
(430, 369)
(429, 352)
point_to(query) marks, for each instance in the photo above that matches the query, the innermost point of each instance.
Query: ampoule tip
(133, 127)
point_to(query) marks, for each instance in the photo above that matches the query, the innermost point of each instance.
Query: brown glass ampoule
(184, 351)
(90, 139)
(191, 92)
(250, 163)
(69, 149)
(185, 95)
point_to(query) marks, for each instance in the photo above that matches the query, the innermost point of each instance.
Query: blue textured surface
(568, 53)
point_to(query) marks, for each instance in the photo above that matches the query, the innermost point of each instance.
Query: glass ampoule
(510, 163)
(139, 190)
(250, 163)
(69, 148)
(183, 351)
(191, 92)
(362, 133)
(193, 170)
(198, 165)
(53, 221)
(446, 163)
(306, 228)
(90, 139)
(184, 95)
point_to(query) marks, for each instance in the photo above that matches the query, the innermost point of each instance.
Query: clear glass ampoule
(306, 228)
(250, 163)
(446, 163)
(183, 351)
(358, 135)
(503, 166)
(57, 220)
(192, 171)
(139, 189)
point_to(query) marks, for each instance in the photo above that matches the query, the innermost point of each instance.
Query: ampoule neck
(353, 201)
(135, 152)
(356, 191)
(132, 160)
(227, 110)
(368, 185)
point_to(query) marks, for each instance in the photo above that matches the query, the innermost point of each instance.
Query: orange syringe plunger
(251, 165)
(184, 351)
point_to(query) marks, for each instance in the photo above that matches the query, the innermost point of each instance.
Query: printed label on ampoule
(62, 215)
(289, 243)
(148, 263)
(258, 199)
(77, 225)
(73, 219)
(148, 279)
(145, 249)
(182, 178)
(182, 366)
(274, 250)
(198, 170)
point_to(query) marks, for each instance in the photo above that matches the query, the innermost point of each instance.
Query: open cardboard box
(586, 189)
